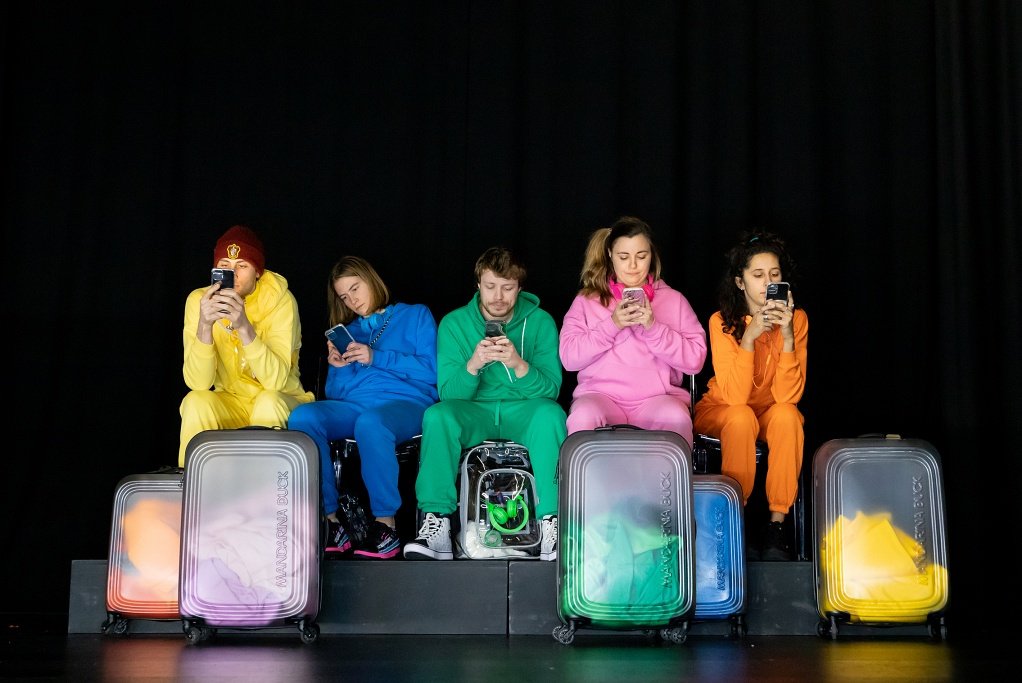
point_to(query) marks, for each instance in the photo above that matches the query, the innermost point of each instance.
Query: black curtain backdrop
(881, 139)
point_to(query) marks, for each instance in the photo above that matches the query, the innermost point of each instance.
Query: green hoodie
(534, 335)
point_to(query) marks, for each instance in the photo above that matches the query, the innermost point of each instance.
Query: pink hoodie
(634, 363)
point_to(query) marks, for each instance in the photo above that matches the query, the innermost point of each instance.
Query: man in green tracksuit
(502, 386)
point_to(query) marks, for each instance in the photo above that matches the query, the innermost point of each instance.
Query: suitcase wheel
(196, 633)
(937, 627)
(739, 627)
(828, 628)
(309, 632)
(564, 634)
(676, 635)
(115, 625)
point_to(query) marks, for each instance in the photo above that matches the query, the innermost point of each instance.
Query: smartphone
(494, 328)
(340, 336)
(225, 276)
(777, 291)
(636, 294)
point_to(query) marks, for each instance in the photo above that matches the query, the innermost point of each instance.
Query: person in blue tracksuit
(380, 380)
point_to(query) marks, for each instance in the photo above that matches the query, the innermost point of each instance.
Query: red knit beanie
(240, 243)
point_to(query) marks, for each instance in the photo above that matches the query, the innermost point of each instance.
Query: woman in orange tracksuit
(758, 348)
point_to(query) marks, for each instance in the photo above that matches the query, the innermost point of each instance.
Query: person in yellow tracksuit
(758, 349)
(240, 345)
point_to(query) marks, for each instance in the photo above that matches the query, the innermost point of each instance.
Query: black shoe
(381, 542)
(775, 545)
(337, 539)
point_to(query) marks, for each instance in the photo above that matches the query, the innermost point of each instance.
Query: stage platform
(485, 597)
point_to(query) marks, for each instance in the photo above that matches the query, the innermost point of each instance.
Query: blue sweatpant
(377, 429)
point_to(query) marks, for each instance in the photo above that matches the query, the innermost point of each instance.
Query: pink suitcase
(145, 537)
(250, 532)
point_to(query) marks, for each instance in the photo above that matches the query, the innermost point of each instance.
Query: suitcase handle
(613, 428)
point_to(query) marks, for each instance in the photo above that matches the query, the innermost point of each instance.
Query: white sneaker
(433, 541)
(548, 546)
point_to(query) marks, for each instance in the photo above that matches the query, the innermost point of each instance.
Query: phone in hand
(225, 276)
(340, 336)
(777, 291)
(494, 328)
(636, 294)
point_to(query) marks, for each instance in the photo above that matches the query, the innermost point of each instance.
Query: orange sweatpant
(738, 428)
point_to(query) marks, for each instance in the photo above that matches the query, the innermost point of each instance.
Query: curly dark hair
(733, 307)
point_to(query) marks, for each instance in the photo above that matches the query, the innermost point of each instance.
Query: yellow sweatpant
(202, 410)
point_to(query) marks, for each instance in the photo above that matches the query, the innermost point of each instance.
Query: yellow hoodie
(270, 361)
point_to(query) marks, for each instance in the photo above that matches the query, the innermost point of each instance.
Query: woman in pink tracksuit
(631, 354)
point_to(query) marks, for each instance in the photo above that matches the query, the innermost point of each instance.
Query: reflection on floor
(254, 657)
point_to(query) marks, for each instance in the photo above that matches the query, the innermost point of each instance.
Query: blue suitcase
(720, 573)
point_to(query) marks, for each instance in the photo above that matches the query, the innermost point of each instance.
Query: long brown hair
(354, 266)
(597, 267)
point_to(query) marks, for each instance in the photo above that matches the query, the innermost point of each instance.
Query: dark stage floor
(40, 654)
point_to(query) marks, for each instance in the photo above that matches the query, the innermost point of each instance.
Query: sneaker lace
(550, 530)
(430, 526)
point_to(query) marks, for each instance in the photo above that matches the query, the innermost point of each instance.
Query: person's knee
(435, 415)
(270, 409)
(303, 418)
(196, 401)
(786, 414)
(549, 411)
(370, 422)
(740, 418)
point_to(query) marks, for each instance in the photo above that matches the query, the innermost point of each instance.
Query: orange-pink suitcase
(143, 558)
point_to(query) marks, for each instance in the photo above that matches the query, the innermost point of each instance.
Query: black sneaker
(337, 539)
(775, 545)
(381, 542)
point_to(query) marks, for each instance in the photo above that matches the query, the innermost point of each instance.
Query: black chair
(352, 494)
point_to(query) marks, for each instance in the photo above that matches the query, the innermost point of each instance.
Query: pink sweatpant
(664, 412)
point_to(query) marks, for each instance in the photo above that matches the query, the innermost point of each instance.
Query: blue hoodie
(404, 358)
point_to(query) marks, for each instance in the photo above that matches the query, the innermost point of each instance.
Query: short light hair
(502, 263)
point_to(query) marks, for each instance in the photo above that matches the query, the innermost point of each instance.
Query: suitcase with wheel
(250, 533)
(143, 558)
(720, 573)
(880, 534)
(625, 557)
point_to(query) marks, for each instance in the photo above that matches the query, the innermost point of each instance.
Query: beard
(491, 314)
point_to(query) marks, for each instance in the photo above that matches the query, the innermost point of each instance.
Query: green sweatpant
(450, 426)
